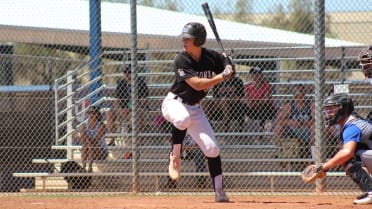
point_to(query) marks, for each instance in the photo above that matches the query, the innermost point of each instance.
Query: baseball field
(126, 201)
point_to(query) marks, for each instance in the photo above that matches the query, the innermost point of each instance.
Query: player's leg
(200, 166)
(366, 158)
(175, 155)
(202, 133)
(361, 177)
(176, 113)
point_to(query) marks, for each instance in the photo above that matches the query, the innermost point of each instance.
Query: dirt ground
(178, 202)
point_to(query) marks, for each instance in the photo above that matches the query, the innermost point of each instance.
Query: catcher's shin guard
(359, 176)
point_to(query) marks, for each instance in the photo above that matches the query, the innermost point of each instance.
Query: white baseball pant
(192, 118)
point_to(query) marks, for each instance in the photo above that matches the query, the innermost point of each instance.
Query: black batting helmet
(365, 61)
(345, 107)
(195, 30)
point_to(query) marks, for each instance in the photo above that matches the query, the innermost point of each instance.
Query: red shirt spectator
(259, 102)
(258, 92)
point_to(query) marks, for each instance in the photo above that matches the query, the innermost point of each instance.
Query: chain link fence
(264, 118)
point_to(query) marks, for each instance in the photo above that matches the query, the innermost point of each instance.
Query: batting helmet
(336, 106)
(195, 30)
(365, 61)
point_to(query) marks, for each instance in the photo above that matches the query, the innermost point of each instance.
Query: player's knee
(182, 123)
(347, 167)
(352, 167)
(212, 152)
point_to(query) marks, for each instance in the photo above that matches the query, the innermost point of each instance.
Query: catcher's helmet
(336, 106)
(365, 61)
(195, 30)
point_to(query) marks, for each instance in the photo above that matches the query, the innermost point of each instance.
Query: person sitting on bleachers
(259, 102)
(122, 109)
(92, 133)
(294, 126)
(228, 111)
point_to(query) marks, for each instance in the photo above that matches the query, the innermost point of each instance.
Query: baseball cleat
(221, 197)
(174, 167)
(366, 199)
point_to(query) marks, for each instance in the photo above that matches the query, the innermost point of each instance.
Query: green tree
(243, 10)
(278, 20)
(173, 5)
(299, 18)
(149, 3)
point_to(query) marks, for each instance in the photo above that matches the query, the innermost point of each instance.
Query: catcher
(356, 152)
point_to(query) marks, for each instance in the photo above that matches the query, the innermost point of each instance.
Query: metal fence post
(319, 54)
(133, 18)
(69, 114)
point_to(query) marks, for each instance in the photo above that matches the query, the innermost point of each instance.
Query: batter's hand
(229, 70)
(227, 60)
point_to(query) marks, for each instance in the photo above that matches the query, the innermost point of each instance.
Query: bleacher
(248, 158)
(115, 173)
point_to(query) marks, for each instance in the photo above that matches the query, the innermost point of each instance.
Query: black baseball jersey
(210, 63)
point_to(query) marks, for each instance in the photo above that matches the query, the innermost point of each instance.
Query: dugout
(26, 132)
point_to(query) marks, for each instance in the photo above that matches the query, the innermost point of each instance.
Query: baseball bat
(210, 19)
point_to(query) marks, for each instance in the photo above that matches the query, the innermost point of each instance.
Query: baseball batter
(197, 69)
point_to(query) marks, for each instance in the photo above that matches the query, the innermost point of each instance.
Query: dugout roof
(66, 23)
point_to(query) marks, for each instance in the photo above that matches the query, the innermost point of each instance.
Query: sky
(264, 6)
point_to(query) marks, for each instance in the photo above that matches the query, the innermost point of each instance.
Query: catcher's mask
(195, 30)
(336, 106)
(365, 61)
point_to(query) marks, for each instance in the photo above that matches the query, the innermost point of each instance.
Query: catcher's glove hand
(312, 172)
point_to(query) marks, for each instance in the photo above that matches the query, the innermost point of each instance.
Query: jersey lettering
(205, 74)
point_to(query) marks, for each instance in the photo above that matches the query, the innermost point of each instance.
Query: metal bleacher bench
(271, 174)
(157, 175)
(217, 134)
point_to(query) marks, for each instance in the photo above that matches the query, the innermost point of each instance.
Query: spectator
(92, 133)
(294, 127)
(123, 106)
(259, 103)
(229, 108)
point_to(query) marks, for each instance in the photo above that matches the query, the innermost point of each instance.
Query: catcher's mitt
(312, 172)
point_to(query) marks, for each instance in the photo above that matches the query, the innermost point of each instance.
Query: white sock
(176, 151)
(218, 183)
